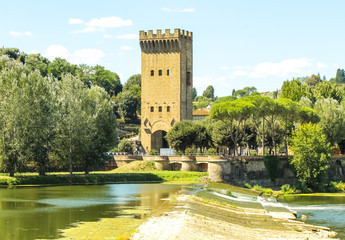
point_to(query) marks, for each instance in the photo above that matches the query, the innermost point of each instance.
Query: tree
(313, 80)
(233, 114)
(128, 103)
(12, 76)
(72, 128)
(39, 120)
(262, 108)
(100, 126)
(312, 154)
(209, 92)
(125, 146)
(106, 79)
(37, 62)
(332, 119)
(340, 76)
(60, 67)
(293, 90)
(195, 93)
(225, 99)
(134, 80)
(13, 53)
(327, 90)
(182, 135)
(289, 113)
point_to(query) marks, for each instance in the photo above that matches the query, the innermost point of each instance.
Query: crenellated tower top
(177, 34)
(163, 42)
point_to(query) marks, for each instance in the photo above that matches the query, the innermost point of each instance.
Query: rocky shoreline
(192, 218)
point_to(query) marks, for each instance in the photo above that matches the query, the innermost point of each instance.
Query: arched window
(168, 72)
(160, 109)
(160, 72)
(152, 108)
(152, 72)
(168, 108)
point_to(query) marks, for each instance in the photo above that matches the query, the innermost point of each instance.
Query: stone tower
(166, 84)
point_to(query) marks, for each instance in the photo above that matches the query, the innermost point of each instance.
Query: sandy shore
(191, 218)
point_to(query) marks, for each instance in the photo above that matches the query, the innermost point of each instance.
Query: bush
(125, 146)
(189, 151)
(339, 186)
(247, 185)
(153, 152)
(212, 151)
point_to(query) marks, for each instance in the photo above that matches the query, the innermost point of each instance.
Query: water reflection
(32, 213)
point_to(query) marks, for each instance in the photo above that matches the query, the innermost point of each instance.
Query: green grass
(100, 178)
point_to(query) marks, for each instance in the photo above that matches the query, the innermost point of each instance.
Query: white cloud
(240, 73)
(34, 52)
(54, 51)
(178, 10)
(109, 22)
(88, 55)
(100, 24)
(126, 48)
(224, 67)
(14, 33)
(281, 69)
(86, 30)
(75, 21)
(321, 65)
(128, 36)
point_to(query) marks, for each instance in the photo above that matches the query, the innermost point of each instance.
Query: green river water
(40, 212)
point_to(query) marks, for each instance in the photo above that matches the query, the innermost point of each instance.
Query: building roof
(201, 112)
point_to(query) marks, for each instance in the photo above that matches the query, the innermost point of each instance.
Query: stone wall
(237, 170)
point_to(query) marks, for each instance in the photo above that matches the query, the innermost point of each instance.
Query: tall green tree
(209, 92)
(293, 90)
(41, 118)
(60, 67)
(12, 77)
(134, 80)
(332, 119)
(182, 135)
(312, 155)
(37, 62)
(106, 79)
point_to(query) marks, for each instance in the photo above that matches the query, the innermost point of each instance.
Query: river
(40, 212)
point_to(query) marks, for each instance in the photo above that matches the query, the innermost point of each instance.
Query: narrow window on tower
(152, 72)
(168, 108)
(160, 72)
(168, 72)
(151, 109)
(160, 109)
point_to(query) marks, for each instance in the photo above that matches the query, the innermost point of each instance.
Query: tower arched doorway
(158, 140)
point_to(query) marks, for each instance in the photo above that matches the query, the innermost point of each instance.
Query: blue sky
(235, 43)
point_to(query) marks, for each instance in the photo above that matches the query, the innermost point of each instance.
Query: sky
(235, 43)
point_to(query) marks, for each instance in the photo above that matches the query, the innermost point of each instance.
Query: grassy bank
(128, 174)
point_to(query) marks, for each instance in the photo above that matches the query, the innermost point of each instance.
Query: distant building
(200, 114)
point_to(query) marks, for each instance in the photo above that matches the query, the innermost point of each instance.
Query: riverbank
(192, 217)
(94, 178)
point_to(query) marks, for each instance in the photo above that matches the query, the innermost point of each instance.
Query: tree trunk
(285, 139)
(263, 136)
(245, 139)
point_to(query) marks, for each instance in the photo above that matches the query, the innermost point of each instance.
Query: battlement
(177, 34)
